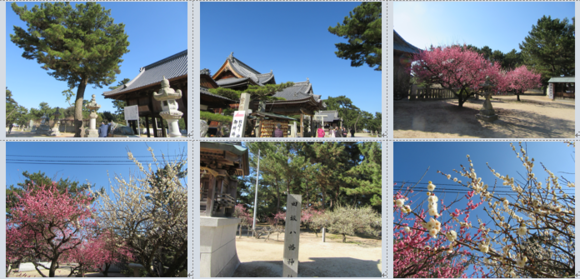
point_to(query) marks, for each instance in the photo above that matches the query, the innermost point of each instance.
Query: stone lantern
(55, 128)
(170, 113)
(93, 107)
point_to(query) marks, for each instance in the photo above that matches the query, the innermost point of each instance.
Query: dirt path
(61, 272)
(359, 257)
(530, 118)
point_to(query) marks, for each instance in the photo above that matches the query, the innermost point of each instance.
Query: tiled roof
(247, 71)
(329, 115)
(273, 115)
(300, 90)
(401, 45)
(170, 67)
(206, 92)
(562, 80)
(230, 81)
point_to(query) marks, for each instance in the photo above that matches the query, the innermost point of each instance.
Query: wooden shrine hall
(139, 91)
(220, 163)
(298, 99)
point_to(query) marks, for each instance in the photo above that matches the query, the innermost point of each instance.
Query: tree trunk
(52, 270)
(278, 196)
(79, 108)
(106, 271)
(343, 237)
(517, 93)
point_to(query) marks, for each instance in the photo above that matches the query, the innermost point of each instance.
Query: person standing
(103, 130)
(352, 132)
(278, 133)
(320, 132)
(337, 132)
(110, 129)
(344, 132)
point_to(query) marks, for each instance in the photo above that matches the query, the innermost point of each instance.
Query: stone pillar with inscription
(292, 236)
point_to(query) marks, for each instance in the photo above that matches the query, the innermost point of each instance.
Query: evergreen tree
(119, 105)
(79, 45)
(257, 92)
(367, 176)
(349, 113)
(550, 48)
(363, 30)
(14, 112)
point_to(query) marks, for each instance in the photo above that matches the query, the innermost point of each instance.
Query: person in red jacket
(320, 132)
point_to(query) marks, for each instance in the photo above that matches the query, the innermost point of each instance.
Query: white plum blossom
(522, 230)
(484, 248)
(430, 187)
(451, 235)
(400, 202)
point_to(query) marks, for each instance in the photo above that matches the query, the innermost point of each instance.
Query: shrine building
(139, 91)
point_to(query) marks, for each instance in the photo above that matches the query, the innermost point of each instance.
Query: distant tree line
(327, 175)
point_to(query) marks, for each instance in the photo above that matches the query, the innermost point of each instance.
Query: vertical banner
(238, 125)
(292, 236)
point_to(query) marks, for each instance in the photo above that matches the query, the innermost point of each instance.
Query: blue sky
(411, 160)
(86, 161)
(156, 31)
(292, 39)
(499, 25)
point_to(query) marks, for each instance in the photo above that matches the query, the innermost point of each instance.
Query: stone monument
(31, 126)
(92, 106)
(54, 130)
(487, 113)
(170, 113)
(203, 128)
(292, 236)
(43, 128)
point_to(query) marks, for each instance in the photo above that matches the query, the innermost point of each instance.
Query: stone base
(42, 130)
(219, 257)
(54, 133)
(92, 133)
(488, 118)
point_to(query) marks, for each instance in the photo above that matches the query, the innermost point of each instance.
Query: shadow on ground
(516, 120)
(317, 267)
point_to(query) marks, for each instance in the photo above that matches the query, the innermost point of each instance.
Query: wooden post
(147, 125)
(210, 196)
(163, 132)
(302, 125)
(292, 236)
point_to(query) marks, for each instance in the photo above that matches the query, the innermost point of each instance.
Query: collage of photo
(385, 139)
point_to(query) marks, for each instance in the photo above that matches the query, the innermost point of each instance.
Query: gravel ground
(533, 117)
(358, 257)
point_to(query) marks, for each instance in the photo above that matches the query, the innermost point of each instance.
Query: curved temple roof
(401, 45)
(171, 67)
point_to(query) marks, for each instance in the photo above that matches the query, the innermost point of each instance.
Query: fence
(421, 93)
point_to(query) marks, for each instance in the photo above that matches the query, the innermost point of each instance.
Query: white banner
(238, 125)
(132, 112)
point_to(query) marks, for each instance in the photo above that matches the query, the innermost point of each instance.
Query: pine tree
(367, 176)
(80, 45)
(549, 48)
(363, 30)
